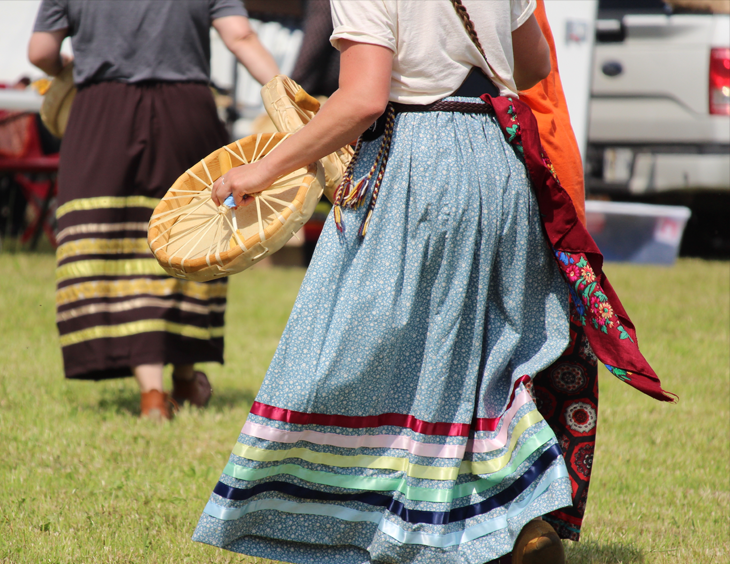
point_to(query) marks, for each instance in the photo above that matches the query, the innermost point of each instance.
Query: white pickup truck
(659, 125)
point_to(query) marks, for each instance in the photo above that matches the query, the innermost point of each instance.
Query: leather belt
(445, 106)
(475, 84)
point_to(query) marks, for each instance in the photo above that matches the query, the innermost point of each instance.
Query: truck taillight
(720, 81)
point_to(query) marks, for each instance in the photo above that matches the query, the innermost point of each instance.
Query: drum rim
(59, 96)
(182, 267)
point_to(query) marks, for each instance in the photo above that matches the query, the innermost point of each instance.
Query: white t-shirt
(432, 52)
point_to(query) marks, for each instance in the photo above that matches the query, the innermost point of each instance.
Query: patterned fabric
(394, 423)
(607, 325)
(566, 395)
(115, 306)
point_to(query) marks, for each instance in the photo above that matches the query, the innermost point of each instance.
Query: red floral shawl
(607, 325)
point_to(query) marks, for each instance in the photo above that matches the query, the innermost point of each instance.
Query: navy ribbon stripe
(396, 507)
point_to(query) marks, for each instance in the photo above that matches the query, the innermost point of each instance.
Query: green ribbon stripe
(395, 484)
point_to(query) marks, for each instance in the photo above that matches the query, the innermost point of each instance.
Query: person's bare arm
(44, 51)
(362, 96)
(241, 40)
(532, 54)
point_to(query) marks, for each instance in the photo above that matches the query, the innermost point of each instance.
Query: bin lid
(645, 210)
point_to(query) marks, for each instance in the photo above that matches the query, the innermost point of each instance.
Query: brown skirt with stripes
(124, 146)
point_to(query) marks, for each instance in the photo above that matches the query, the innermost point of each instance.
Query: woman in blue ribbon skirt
(395, 423)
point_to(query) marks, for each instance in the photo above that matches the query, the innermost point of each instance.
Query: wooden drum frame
(194, 239)
(57, 101)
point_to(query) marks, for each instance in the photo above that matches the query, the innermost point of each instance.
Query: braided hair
(468, 25)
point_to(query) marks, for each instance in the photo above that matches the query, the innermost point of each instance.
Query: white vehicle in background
(572, 25)
(659, 126)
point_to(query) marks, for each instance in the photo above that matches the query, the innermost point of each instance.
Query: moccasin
(197, 390)
(157, 406)
(538, 543)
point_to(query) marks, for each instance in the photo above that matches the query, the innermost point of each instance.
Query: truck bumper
(664, 172)
(636, 170)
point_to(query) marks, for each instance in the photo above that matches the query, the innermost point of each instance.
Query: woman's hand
(241, 181)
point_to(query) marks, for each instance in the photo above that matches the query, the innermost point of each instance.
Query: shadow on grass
(227, 398)
(123, 401)
(589, 552)
(126, 401)
(14, 246)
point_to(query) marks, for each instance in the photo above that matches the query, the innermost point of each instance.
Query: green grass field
(83, 480)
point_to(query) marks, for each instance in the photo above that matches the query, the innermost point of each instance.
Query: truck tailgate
(654, 83)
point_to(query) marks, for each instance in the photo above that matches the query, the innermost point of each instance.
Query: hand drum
(192, 238)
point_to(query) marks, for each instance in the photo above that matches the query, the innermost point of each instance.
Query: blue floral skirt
(395, 423)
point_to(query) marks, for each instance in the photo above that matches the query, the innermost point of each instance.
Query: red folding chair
(35, 172)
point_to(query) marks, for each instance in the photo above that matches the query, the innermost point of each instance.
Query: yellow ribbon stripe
(106, 202)
(129, 288)
(138, 327)
(94, 268)
(495, 464)
(392, 463)
(361, 461)
(103, 247)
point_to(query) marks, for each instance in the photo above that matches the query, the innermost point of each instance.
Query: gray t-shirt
(137, 40)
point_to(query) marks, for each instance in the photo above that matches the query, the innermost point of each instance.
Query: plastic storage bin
(639, 233)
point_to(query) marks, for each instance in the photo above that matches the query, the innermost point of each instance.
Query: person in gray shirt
(142, 115)
(163, 40)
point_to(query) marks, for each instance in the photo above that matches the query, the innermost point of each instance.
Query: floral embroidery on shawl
(596, 305)
(588, 295)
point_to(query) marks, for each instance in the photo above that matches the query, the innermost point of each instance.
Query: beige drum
(192, 238)
(291, 108)
(57, 100)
